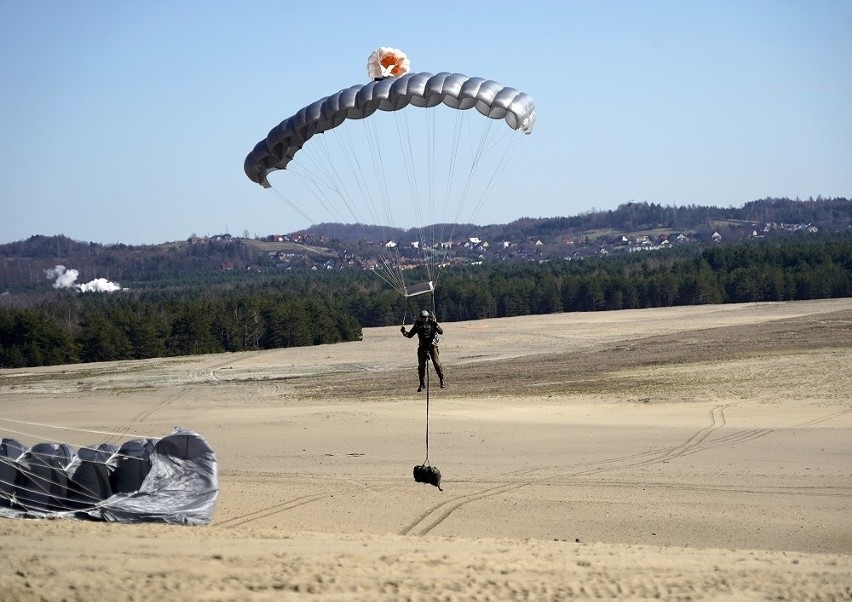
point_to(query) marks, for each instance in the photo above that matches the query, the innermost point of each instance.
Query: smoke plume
(64, 278)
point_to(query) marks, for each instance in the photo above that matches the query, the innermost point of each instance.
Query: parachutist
(427, 330)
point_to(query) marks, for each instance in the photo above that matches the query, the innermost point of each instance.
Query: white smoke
(68, 279)
(64, 278)
(99, 285)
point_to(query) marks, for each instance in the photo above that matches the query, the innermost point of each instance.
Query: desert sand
(679, 453)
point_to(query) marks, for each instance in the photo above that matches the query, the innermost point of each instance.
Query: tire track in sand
(290, 504)
(437, 514)
(697, 442)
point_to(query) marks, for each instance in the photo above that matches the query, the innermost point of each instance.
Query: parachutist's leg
(421, 368)
(436, 360)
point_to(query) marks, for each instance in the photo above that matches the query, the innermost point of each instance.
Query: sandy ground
(681, 453)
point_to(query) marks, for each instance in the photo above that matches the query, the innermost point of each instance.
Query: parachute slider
(419, 289)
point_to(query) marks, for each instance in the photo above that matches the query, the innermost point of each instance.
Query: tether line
(426, 461)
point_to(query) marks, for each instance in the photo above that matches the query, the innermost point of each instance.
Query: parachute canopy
(170, 480)
(419, 175)
(391, 94)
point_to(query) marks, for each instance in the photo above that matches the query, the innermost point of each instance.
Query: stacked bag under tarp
(10, 451)
(89, 475)
(170, 480)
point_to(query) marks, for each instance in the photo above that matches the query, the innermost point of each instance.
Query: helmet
(424, 314)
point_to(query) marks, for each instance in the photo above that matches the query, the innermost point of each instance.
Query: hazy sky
(129, 121)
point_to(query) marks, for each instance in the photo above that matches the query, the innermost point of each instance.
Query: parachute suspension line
(292, 205)
(112, 434)
(317, 188)
(463, 129)
(43, 486)
(281, 196)
(359, 171)
(454, 152)
(457, 131)
(393, 260)
(344, 142)
(38, 485)
(488, 141)
(371, 134)
(333, 174)
(430, 255)
(389, 269)
(508, 150)
(425, 226)
(325, 165)
(476, 157)
(407, 153)
(322, 176)
(384, 274)
(43, 483)
(408, 157)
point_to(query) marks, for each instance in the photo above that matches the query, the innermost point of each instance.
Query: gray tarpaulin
(170, 480)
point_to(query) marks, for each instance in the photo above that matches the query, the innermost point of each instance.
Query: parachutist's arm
(438, 328)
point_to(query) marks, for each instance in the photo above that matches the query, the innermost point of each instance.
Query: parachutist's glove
(402, 329)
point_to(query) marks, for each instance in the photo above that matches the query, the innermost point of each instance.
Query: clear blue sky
(129, 121)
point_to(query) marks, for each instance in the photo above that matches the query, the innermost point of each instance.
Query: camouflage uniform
(426, 329)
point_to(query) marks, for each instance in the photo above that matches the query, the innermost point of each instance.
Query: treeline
(91, 328)
(793, 269)
(308, 308)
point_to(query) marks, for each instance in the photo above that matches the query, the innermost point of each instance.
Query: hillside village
(631, 228)
(324, 252)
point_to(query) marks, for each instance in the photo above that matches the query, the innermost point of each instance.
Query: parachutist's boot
(442, 383)
(421, 387)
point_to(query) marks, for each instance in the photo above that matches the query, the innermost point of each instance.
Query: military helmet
(424, 313)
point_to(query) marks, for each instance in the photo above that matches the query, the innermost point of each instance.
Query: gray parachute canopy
(391, 94)
(170, 480)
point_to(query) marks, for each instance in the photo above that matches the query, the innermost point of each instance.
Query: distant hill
(23, 263)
